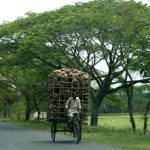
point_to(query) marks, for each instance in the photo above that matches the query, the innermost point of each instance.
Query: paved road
(13, 137)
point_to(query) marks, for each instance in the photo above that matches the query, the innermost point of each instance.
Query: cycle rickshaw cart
(61, 84)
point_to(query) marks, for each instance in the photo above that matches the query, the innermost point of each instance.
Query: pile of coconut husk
(71, 73)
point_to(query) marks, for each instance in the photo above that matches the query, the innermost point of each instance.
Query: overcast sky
(12, 9)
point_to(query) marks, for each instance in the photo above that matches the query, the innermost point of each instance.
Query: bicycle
(75, 126)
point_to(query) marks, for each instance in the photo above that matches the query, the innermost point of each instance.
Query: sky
(12, 9)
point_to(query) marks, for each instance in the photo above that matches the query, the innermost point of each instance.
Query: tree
(7, 98)
(84, 36)
(146, 91)
(103, 32)
(28, 82)
(25, 67)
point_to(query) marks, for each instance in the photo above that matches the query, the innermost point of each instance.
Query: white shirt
(73, 104)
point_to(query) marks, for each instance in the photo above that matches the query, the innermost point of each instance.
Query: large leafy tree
(84, 36)
(103, 32)
(25, 48)
(25, 60)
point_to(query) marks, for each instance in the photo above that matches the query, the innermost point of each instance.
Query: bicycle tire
(77, 132)
(53, 131)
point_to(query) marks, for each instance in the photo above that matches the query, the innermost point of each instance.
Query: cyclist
(73, 105)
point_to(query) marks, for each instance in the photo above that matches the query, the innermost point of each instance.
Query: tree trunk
(132, 118)
(129, 91)
(95, 109)
(28, 110)
(9, 109)
(36, 105)
(18, 117)
(146, 118)
(27, 115)
(4, 109)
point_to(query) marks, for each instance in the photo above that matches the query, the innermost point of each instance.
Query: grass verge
(123, 138)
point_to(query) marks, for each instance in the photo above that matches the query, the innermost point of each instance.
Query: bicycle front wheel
(77, 132)
(53, 131)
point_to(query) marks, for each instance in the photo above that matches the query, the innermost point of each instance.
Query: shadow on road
(56, 142)
(64, 142)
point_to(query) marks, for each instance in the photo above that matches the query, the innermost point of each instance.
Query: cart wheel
(77, 132)
(53, 131)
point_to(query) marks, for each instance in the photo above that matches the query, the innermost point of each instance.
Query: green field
(116, 130)
(120, 121)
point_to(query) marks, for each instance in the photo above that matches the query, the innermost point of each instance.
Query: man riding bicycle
(73, 106)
